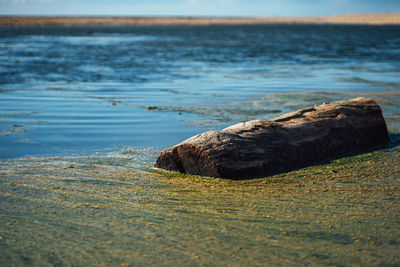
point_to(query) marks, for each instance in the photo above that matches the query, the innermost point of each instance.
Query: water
(80, 90)
(85, 111)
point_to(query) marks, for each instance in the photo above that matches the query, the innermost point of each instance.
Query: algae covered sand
(113, 209)
(98, 210)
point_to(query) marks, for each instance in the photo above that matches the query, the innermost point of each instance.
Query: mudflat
(368, 19)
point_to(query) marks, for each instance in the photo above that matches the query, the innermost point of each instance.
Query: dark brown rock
(260, 147)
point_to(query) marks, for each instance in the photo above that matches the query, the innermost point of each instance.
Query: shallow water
(95, 211)
(78, 90)
(85, 111)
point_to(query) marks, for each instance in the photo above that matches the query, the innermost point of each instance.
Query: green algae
(117, 210)
(97, 211)
(14, 129)
(215, 114)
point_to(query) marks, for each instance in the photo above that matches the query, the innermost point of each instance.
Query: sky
(219, 8)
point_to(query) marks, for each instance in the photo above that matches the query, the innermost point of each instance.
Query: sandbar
(357, 19)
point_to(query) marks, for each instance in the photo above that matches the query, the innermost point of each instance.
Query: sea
(86, 110)
(95, 89)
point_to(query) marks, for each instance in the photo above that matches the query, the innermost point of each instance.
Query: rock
(260, 147)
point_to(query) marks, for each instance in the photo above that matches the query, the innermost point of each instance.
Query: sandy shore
(368, 19)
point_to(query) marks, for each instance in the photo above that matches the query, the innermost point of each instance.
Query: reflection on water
(84, 112)
(80, 89)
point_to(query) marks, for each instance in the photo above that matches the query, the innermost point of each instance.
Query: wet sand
(367, 19)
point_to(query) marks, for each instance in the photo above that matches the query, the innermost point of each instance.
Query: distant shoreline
(355, 19)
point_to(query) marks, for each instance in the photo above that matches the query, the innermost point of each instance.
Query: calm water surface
(84, 112)
(82, 89)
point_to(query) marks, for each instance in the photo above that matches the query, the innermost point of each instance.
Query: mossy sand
(96, 211)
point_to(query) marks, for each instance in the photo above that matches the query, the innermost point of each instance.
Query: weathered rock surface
(260, 147)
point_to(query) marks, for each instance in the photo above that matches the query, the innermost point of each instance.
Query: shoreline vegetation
(356, 19)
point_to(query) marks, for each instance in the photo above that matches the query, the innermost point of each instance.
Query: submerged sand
(113, 209)
(94, 211)
(367, 19)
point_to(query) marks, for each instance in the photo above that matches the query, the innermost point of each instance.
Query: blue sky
(258, 8)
